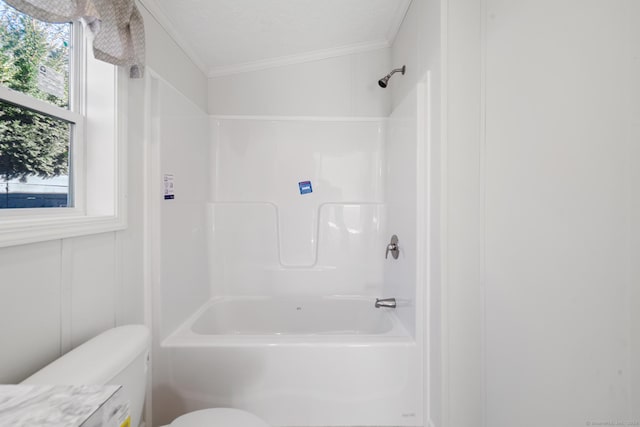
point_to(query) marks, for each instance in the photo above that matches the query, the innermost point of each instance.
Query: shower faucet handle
(393, 248)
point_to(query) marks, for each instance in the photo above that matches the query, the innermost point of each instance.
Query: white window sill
(31, 230)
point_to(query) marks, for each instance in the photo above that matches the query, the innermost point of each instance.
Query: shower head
(383, 81)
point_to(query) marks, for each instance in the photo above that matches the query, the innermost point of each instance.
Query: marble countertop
(51, 405)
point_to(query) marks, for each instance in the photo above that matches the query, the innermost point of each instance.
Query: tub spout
(386, 302)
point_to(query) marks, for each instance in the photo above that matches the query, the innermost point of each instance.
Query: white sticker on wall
(50, 81)
(168, 187)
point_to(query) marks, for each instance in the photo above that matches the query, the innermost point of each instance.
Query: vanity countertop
(62, 406)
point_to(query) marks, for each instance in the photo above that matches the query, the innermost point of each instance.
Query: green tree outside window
(32, 144)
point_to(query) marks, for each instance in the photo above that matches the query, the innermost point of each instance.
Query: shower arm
(397, 70)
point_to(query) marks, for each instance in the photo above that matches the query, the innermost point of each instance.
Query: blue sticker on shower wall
(305, 187)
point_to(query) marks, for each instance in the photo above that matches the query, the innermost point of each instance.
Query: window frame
(89, 215)
(76, 142)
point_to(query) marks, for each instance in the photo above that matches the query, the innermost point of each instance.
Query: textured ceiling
(224, 34)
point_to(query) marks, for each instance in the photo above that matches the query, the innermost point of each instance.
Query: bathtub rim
(184, 337)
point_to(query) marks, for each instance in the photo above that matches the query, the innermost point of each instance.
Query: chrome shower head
(385, 80)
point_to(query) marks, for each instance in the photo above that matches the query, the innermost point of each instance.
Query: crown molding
(396, 23)
(280, 61)
(161, 17)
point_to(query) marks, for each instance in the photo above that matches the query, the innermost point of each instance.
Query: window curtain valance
(117, 25)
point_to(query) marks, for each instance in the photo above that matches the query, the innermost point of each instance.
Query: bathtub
(326, 361)
(288, 320)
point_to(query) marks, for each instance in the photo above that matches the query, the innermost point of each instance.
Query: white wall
(55, 295)
(562, 138)
(542, 212)
(340, 86)
(463, 362)
(167, 59)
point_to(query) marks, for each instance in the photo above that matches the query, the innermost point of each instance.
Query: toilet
(121, 356)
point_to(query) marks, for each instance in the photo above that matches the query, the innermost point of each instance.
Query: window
(59, 133)
(36, 129)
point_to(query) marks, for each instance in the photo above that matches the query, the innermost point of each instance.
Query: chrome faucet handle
(393, 248)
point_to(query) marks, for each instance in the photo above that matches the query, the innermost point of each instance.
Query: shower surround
(295, 229)
(271, 238)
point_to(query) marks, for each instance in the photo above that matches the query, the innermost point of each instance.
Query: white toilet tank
(117, 356)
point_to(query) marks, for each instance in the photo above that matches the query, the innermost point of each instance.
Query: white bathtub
(332, 361)
(287, 320)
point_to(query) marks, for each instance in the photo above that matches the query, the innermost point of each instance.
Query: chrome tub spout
(386, 302)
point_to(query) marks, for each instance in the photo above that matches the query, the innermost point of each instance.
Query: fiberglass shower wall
(179, 134)
(405, 201)
(327, 122)
(306, 207)
(298, 208)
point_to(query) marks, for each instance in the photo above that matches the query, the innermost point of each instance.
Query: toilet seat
(218, 417)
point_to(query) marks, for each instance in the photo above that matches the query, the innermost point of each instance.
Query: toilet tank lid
(98, 360)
